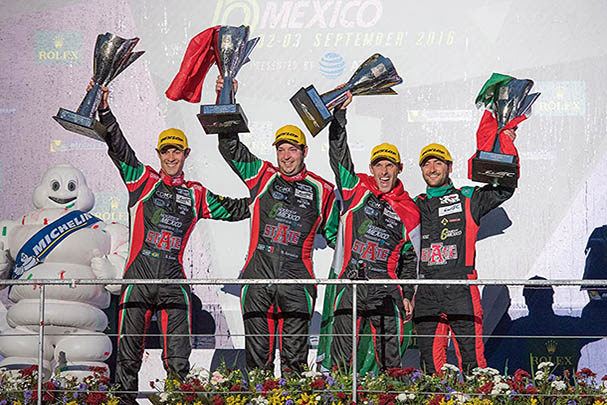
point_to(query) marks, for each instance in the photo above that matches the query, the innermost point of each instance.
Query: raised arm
(213, 206)
(339, 154)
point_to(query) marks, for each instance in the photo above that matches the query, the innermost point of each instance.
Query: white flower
(546, 364)
(403, 396)
(217, 378)
(461, 398)
(451, 367)
(539, 375)
(500, 388)
(497, 378)
(164, 397)
(311, 374)
(558, 385)
(260, 401)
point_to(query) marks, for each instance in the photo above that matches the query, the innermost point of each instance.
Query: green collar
(439, 191)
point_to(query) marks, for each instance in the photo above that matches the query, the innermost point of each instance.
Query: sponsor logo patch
(183, 200)
(450, 209)
(449, 199)
(437, 254)
(449, 233)
(304, 194)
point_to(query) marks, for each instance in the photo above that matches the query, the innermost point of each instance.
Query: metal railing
(42, 283)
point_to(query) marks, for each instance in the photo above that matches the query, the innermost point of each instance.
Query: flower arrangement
(396, 386)
(20, 388)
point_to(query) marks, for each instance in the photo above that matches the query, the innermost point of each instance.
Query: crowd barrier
(42, 283)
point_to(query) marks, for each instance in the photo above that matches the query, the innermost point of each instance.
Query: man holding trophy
(288, 203)
(450, 218)
(378, 238)
(163, 209)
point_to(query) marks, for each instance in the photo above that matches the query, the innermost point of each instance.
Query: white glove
(101, 266)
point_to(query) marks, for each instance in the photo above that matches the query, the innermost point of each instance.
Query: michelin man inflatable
(60, 239)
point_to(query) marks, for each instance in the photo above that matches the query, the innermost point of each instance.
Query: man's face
(290, 158)
(172, 160)
(385, 174)
(436, 172)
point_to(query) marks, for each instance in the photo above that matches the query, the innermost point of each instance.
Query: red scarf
(399, 200)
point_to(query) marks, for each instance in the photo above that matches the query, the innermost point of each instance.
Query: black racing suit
(378, 236)
(162, 213)
(286, 214)
(450, 218)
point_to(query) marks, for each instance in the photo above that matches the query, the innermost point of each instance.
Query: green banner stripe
(215, 208)
(348, 179)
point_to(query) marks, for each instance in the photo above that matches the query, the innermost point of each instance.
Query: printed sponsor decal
(163, 240)
(278, 195)
(164, 194)
(449, 199)
(278, 211)
(437, 254)
(282, 189)
(159, 202)
(183, 200)
(370, 251)
(300, 15)
(370, 211)
(389, 212)
(376, 231)
(332, 65)
(111, 207)
(560, 98)
(304, 194)
(282, 234)
(450, 209)
(449, 233)
(57, 48)
(62, 145)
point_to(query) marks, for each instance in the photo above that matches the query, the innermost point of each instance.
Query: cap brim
(377, 159)
(291, 141)
(171, 145)
(433, 155)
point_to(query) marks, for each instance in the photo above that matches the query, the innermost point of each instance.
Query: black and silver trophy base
(81, 124)
(311, 109)
(495, 168)
(223, 119)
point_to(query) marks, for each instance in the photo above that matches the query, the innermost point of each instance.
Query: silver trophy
(112, 55)
(375, 76)
(509, 99)
(233, 48)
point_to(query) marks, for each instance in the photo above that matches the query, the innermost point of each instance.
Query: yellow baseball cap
(385, 151)
(291, 134)
(435, 150)
(172, 137)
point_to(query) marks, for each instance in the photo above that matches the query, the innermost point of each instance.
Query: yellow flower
(533, 401)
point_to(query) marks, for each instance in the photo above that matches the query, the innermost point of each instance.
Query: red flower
(95, 398)
(27, 372)
(217, 400)
(604, 378)
(531, 390)
(485, 388)
(287, 370)
(269, 385)
(100, 370)
(585, 372)
(317, 384)
(334, 368)
(520, 374)
(341, 396)
(436, 399)
(566, 373)
(236, 387)
(189, 397)
(186, 387)
(386, 399)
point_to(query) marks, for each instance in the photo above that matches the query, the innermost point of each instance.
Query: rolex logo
(58, 41)
(551, 346)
